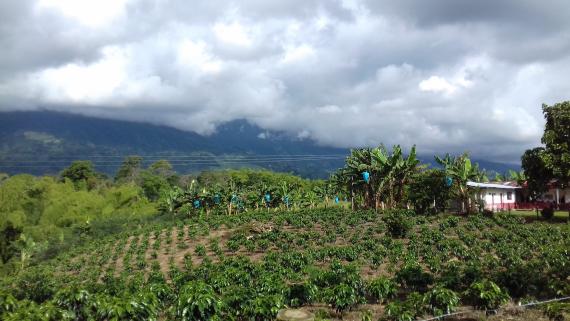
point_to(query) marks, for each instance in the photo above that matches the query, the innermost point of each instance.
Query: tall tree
(129, 170)
(537, 173)
(428, 191)
(80, 172)
(556, 139)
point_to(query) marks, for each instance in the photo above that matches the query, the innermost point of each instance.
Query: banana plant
(461, 170)
(285, 190)
(386, 175)
(519, 177)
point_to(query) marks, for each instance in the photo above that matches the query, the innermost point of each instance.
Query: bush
(399, 222)
(342, 297)
(7, 303)
(381, 289)
(547, 213)
(405, 311)
(35, 285)
(449, 222)
(398, 311)
(486, 295)
(558, 311)
(441, 300)
(264, 307)
(488, 213)
(197, 301)
(412, 276)
(301, 294)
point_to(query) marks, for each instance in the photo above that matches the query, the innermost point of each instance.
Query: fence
(441, 317)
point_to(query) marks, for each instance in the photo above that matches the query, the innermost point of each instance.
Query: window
(509, 196)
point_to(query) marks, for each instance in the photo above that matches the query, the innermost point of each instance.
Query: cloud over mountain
(446, 75)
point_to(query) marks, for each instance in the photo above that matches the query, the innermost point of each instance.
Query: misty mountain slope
(52, 140)
(44, 142)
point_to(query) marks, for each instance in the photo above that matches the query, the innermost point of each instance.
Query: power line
(79, 156)
(188, 162)
(209, 158)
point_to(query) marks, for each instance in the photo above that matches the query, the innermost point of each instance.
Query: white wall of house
(498, 198)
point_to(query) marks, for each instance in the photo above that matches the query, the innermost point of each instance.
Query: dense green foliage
(57, 214)
(556, 139)
(542, 164)
(536, 171)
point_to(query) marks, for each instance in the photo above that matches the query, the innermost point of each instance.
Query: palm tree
(460, 170)
(387, 175)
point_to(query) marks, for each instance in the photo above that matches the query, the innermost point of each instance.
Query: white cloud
(437, 84)
(298, 54)
(92, 13)
(233, 33)
(346, 73)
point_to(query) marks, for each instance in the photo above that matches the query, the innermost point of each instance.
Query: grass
(559, 216)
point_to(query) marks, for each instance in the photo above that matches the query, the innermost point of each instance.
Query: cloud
(448, 76)
(437, 84)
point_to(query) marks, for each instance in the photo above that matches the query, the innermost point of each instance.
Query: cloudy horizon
(449, 76)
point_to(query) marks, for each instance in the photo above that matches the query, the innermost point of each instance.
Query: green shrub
(197, 301)
(381, 288)
(486, 295)
(558, 311)
(200, 250)
(441, 300)
(7, 303)
(405, 311)
(301, 294)
(342, 297)
(399, 222)
(412, 276)
(264, 307)
(35, 285)
(30, 311)
(76, 300)
(142, 306)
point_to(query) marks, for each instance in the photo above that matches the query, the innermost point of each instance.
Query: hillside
(44, 142)
(332, 262)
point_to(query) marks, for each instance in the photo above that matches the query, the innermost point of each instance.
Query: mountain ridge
(29, 139)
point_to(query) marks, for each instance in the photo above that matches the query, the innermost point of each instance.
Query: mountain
(44, 142)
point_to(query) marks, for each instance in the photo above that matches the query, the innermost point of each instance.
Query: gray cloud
(445, 75)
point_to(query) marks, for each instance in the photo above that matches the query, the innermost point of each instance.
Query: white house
(496, 196)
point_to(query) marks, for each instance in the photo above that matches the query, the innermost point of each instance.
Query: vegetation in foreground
(249, 265)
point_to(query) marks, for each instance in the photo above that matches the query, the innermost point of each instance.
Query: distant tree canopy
(80, 172)
(129, 170)
(556, 139)
(536, 172)
(541, 164)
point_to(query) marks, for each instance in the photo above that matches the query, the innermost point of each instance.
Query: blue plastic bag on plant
(366, 176)
(196, 204)
(336, 200)
(448, 181)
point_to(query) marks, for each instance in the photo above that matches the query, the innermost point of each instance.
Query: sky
(446, 75)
